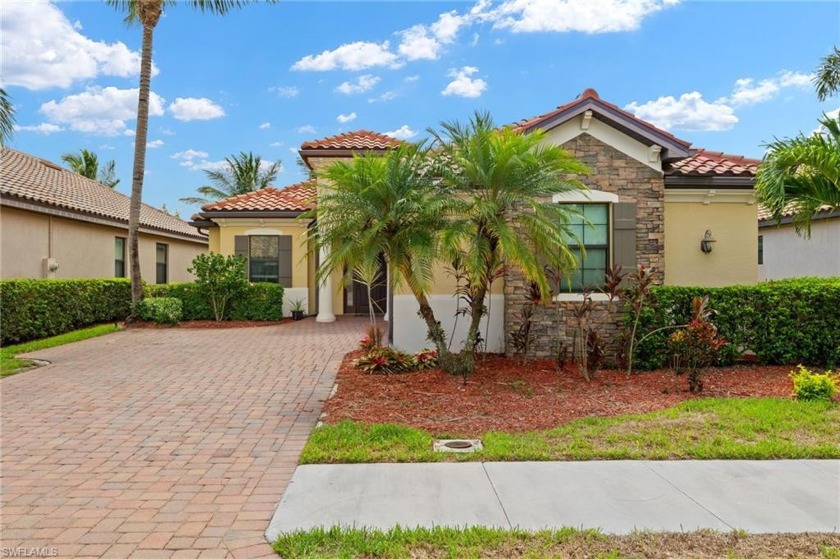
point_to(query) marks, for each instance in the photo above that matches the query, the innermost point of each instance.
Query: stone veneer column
(325, 294)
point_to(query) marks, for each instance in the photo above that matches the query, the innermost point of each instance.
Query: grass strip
(496, 543)
(10, 364)
(710, 428)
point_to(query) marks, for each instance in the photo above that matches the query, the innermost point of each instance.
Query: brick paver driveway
(162, 443)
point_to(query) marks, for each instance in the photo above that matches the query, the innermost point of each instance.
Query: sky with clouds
(727, 76)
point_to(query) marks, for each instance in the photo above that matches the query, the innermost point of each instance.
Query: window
(761, 249)
(161, 263)
(264, 258)
(592, 229)
(119, 257)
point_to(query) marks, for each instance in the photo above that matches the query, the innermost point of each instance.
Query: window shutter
(624, 235)
(285, 260)
(242, 247)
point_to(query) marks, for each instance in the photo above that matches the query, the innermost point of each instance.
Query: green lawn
(451, 543)
(712, 428)
(10, 365)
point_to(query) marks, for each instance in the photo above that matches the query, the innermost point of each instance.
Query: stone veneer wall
(615, 172)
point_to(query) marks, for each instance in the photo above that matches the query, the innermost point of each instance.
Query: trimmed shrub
(40, 308)
(221, 279)
(261, 301)
(782, 322)
(162, 310)
(808, 385)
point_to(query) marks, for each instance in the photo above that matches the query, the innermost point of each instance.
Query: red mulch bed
(211, 324)
(507, 395)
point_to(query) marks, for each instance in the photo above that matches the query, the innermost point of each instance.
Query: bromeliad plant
(387, 360)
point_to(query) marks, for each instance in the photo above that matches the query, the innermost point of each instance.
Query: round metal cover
(458, 444)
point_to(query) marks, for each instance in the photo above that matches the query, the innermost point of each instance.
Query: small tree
(221, 279)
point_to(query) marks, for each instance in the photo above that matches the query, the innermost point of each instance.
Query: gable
(584, 123)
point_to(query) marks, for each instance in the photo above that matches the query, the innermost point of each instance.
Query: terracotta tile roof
(764, 214)
(295, 198)
(356, 140)
(33, 179)
(590, 94)
(714, 163)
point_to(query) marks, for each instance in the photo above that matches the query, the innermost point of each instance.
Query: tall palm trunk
(149, 12)
(435, 330)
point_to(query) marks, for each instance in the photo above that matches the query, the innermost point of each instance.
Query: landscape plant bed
(212, 324)
(568, 543)
(508, 395)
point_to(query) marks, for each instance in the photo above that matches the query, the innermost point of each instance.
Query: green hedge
(162, 310)
(783, 322)
(33, 309)
(263, 301)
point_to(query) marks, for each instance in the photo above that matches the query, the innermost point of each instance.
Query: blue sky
(726, 76)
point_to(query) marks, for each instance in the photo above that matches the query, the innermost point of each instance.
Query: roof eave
(788, 219)
(716, 181)
(673, 149)
(208, 215)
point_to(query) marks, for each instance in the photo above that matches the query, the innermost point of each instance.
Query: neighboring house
(55, 223)
(782, 253)
(652, 201)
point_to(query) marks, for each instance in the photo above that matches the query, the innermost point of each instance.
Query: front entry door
(356, 300)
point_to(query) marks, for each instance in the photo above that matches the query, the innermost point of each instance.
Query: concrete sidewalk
(616, 497)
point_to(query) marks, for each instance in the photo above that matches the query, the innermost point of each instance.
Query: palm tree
(147, 13)
(242, 173)
(86, 163)
(502, 183)
(802, 175)
(383, 204)
(827, 78)
(7, 117)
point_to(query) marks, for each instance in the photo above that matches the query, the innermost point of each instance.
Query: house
(783, 253)
(688, 214)
(57, 224)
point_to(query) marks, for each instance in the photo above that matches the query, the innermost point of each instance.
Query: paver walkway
(618, 497)
(174, 443)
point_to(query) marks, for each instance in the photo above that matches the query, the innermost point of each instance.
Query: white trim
(263, 232)
(583, 196)
(710, 196)
(260, 222)
(578, 297)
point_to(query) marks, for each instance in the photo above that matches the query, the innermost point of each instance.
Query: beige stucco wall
(81, 249)
(733, 259)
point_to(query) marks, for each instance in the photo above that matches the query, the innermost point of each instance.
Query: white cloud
(591, 16)
(747, 91)
(99, 110)
(265, 126)
(45, 128)
(167, 131)
(154, 144)
(384, 98)
(412, 79)
(421, 42)
(475, 39)
(689, 112)
(350, 56)
(344, 119)
(362, 84)
(196, 160)
(286, 91)
(276, 144)
(195, 108)
(42, 49)
(463, 85)
(306, 129)
(402, 133)
(106, 146)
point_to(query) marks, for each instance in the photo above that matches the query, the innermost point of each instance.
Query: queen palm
(827, 78)
(383, 204)
(7, 117)
(802, 175)
(86, 163)
(242, 173)
(147, 13)
(502, 183)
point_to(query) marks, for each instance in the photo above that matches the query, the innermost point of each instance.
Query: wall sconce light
(706, 243)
